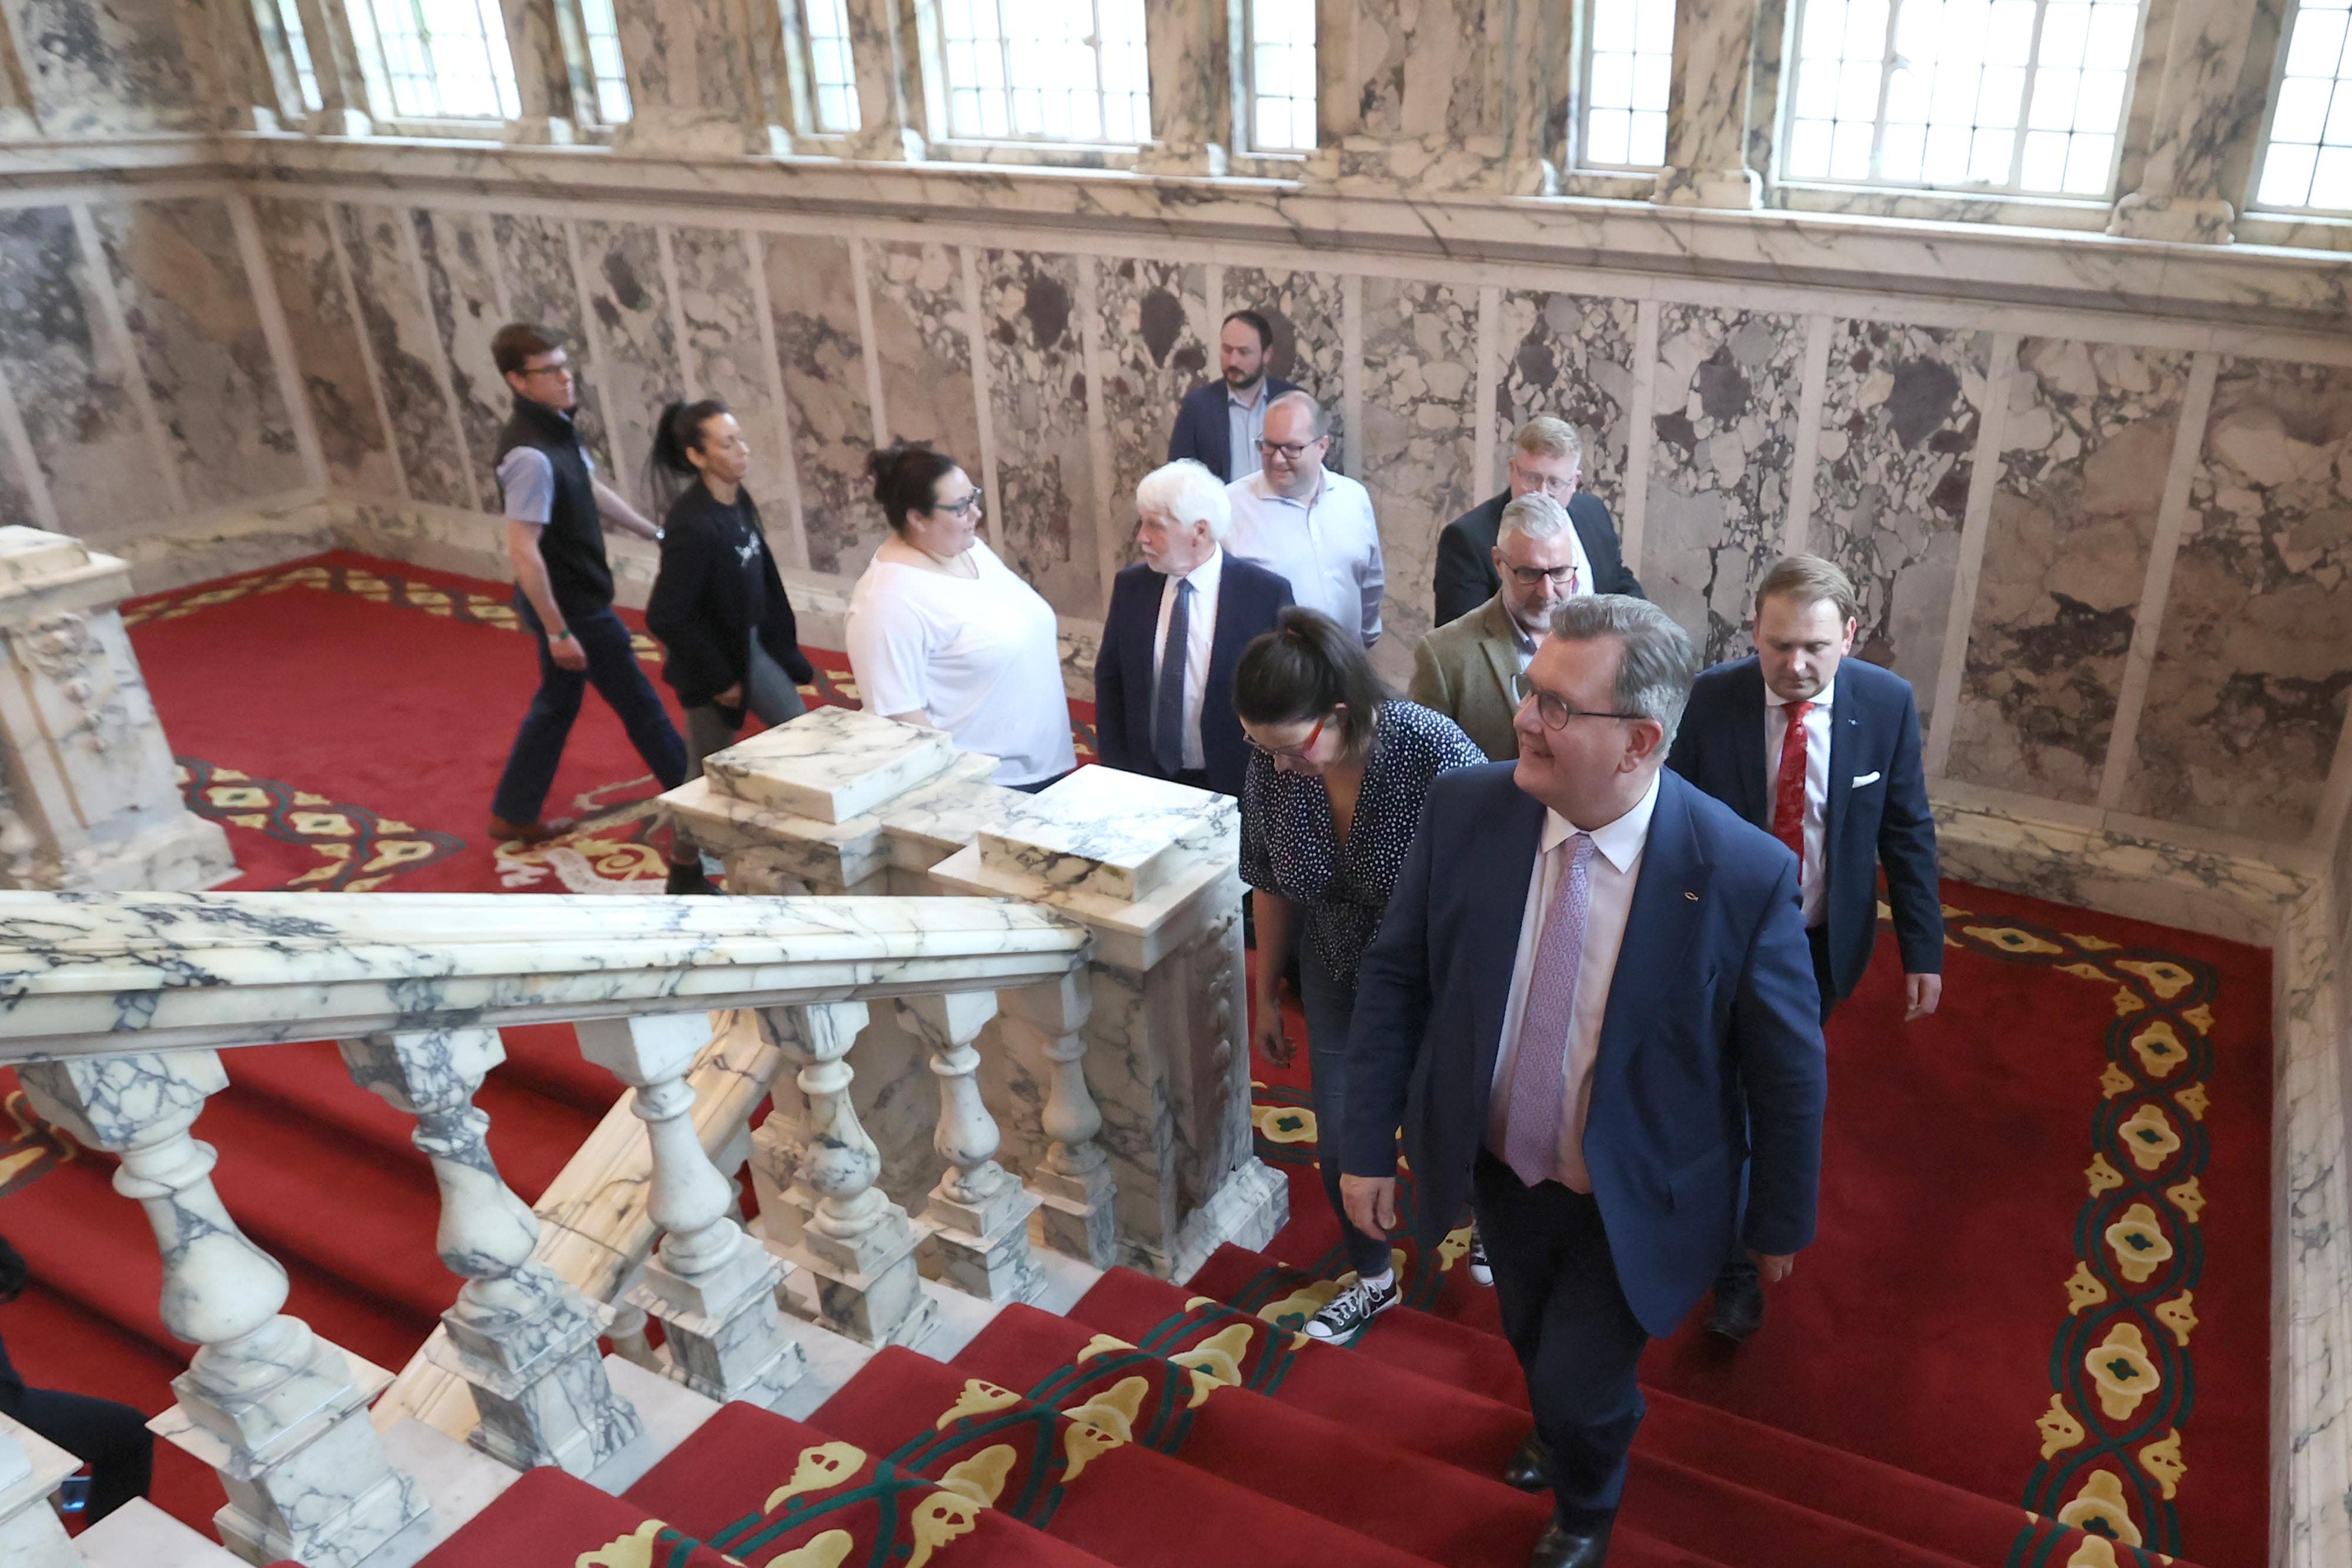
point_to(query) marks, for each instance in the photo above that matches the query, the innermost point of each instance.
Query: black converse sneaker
(1481, 1272)
(1352, 1310)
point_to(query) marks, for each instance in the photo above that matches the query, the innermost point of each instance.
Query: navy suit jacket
(1204, 431)
(1710, 1046)
(1467, 577)
(1248, 599)
(1878, 809)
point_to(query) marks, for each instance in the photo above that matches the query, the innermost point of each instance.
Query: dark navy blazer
(1467, 577)
(1877, 807)
(1248, 599)
(1204, 431)
(1711, 1044)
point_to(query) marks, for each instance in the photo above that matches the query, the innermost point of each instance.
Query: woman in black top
(718, 606)
(1338, 770)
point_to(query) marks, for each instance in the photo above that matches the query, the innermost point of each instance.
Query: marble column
(226, 61)
(1048, 1025)
(31, 1468)
(281, 1413)
(693, 87)
(90, 797)
(1452, 95)
(346, 104)
(1193, 92)
(1706, 109)
(2201, 115)
(890, 94)
(524, 1339)
(977, 1216)
(713, 1287)
(548, 87)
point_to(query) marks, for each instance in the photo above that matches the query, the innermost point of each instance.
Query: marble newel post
(712, 1286)
(890, 82)
(278, 1412)
(524, 1339)
(694, 79)
(88, 794)
(1188, 44)
(1707, 108)
(1448, 95)
(31, 1468)
(2201, 117)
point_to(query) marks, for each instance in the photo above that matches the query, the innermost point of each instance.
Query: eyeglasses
(1289, 753)
(564, 371)
(1290, 451)
(962, 508)
(1560, 576)
(1557, 488)
(1552, 708)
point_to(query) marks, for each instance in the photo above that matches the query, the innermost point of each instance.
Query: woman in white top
(942, 634)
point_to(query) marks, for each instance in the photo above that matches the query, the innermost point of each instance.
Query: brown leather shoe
(536, 833)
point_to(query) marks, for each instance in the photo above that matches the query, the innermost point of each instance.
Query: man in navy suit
(1218, 425)
(1589, 1010)
(1172, 717)
(1822, 752)
(1546, 459)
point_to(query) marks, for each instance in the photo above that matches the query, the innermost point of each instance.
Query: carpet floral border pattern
(358, 851)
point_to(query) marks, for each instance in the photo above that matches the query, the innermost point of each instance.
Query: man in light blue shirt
(1309, 525)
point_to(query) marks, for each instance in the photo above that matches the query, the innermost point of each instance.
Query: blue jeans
(1330, 1008)
(613, 666)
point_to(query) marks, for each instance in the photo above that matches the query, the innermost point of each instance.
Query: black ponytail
(679, 429)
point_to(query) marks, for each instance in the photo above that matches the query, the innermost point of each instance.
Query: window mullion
(1885, 86)
(2025, 106)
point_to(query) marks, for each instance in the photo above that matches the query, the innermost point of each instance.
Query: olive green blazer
(1463, 670)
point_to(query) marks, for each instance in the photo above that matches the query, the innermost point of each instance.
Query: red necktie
(1789, 789)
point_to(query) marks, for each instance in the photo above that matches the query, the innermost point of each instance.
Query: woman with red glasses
(1338, 772)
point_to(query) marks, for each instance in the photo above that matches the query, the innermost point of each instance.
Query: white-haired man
(1177, 624)
(1315, 528)
(1464, 668)
(1546, 459)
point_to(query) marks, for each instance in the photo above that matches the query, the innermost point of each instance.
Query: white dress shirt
(1199, 632)
(1245, 427)
(1615, 868)
(1327, 546)
(1817, 786)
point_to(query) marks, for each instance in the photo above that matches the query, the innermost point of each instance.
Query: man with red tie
(1821, 752)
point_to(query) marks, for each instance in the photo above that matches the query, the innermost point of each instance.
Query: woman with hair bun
(1338, 771)
(941, 632)
(718, 606)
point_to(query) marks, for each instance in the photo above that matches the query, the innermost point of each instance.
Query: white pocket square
(1865, 778)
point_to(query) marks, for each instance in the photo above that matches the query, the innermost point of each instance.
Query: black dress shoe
(1561, 1547)
(1739, 1309)
(1530, 1468)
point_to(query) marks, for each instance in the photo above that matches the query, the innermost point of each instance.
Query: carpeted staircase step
(1453, 1354)
(1427, 1417)
(1080, 1479)
(548, 1516)
(757, 1486)
(1192, 1407)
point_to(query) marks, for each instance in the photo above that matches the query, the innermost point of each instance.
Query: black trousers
(111, 1438)
(1577, 1342)
(614, 669)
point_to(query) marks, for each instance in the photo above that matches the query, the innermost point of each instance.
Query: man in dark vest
(563, 590)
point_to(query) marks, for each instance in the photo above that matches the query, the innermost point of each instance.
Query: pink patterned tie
(1539, 1087)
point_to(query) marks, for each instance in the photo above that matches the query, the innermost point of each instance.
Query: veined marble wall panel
(97, 69)
(197, 330)
(1570, 356)
(1900, 411)
(638, 370)
(1045, 503)
(2253, 666)
(1308, 315)
(400, 329)
(72, 387)
(1158, 343)
(812, 295)
(2086, 442)
(1725, 401)
(724, 354)
(1421, 415)
(922, 336)
(461, 283)
(15, 490)
(535, 260)
(327, 351)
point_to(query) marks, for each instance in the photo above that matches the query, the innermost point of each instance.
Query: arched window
(1046, 70)
(1629, 66)
(2306, 163)
(604, 33)
(831, 75)
(446, 59)
(1278, 56)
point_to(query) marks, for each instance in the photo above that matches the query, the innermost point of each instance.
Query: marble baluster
(17, 119)
(346, 96)
(713, 1287)
(815, 1178)
(1192, 90)
(31, 1470)
(979, 1213)
(693, 80)
(890, 95)
(1706, 109)
(2205, 113)
(524, 1339)
(1047, 1024)
(281, 1413)
(548, 86)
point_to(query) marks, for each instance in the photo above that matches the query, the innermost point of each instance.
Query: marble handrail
(102, 973)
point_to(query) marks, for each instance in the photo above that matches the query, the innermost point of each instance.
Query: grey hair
(1654, 677)
(1189, 493)
(1535, 518)
(1297, 399)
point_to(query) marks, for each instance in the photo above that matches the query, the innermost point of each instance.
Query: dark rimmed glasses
(1554, 709)
(964, 507)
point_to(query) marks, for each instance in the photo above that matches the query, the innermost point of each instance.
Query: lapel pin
(1692, 896)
